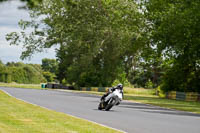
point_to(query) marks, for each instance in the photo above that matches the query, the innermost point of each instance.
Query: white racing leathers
(117, 93)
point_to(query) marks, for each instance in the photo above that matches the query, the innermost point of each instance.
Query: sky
(10, 15)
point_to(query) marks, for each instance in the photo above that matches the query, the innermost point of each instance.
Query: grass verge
(139, 91)
(15, 85)
(19, 117)
(166, 103)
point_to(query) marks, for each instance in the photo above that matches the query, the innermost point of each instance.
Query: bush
(49, 76)
(21, 73)
(123, 80)
(2, 77)
(8, 78)
(149, 84)
(160, 92)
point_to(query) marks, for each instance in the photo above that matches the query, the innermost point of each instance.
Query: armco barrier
(171, 95)
(58, 86)
(98, 89)
(180, 96)
(191, 96)
(188, 96)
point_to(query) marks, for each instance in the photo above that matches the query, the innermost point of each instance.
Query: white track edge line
(63, 112)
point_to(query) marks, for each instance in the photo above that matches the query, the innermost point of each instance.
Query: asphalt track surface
(128, 116)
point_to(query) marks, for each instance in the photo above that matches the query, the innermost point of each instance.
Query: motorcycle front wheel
(100, 107)
(110, 105)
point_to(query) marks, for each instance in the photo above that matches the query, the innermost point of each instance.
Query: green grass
(15, 85)
(148, 96)
(166, 103)
(139, 91)
(19, 117)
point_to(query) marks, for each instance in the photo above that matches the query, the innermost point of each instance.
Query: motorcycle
(111, 100)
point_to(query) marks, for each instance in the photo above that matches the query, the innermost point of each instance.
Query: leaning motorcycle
(111, 100)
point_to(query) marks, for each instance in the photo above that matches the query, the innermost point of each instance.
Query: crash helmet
(120, 86)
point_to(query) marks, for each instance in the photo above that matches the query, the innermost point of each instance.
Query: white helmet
(120, 86)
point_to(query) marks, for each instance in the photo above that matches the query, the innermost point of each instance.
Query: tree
(50, 77)
(95, 37)
(25, 73)
(21, 73)
(174, 32)
(146, 69)
(2, 72)
(1, 63)
(49, 65)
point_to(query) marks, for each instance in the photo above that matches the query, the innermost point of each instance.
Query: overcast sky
(9, 17)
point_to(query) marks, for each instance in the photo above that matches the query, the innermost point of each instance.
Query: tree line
(148, 43)
(28, 73)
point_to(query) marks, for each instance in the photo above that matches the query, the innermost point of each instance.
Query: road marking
(64, 113)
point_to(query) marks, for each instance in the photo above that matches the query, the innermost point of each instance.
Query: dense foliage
(49, 65)
(175, 32)
(50, 68)
(21, 73)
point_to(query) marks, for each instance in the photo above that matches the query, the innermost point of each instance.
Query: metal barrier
(184, 96)
(98, 89)
(58, 86)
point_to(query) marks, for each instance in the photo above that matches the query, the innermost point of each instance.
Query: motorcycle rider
(119, 86)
